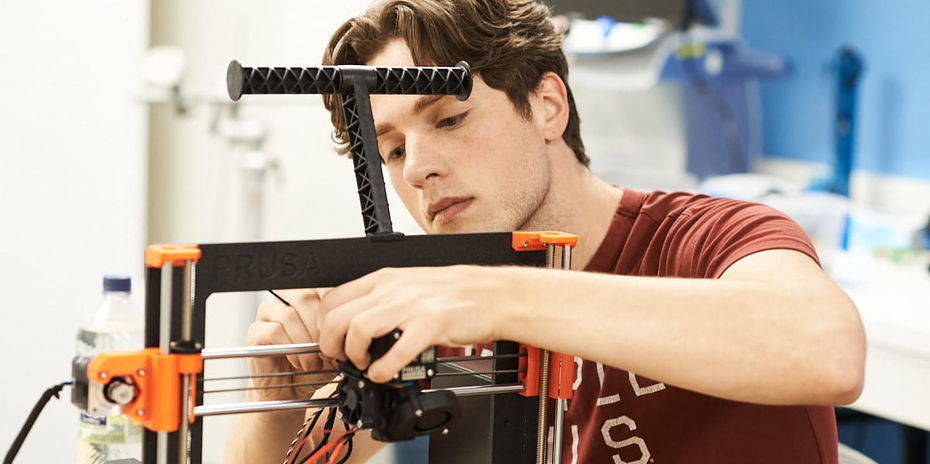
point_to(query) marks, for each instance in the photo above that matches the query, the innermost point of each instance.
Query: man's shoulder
(685, 234)
(662, 205)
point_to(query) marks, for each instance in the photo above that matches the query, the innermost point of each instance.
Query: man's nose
(424, 160)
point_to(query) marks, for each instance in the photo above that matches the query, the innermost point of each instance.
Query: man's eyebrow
(425, 102)
(382, 129)
(421, 105)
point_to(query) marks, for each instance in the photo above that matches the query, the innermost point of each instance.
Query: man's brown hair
(510, 44)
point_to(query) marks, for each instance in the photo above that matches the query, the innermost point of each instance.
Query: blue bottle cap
(117, 283)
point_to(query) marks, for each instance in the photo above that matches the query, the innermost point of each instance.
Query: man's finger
(308, 317)
(413, 341)
(307, 302)
(297, 322)
(266, 333)
(354, 289)
(297, 332)
(335, 324)
(303, 297)
(363, 329)
(307, 305)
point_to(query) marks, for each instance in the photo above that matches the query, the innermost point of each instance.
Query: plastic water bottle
(115, 326)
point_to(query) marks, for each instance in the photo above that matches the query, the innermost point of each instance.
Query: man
(719, 307)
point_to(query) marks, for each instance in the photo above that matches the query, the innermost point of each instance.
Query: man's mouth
(446, 209)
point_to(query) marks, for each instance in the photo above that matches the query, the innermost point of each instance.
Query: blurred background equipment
(678, 14)
(847, 68)
(672, 88)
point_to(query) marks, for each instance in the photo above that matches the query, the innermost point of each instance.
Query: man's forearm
(262, 437)
(736, 339)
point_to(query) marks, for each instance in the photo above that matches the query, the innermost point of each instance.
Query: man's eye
(396, 154)
(452, 121)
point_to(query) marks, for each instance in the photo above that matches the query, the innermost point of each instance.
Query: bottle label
(110, 430)
(88, 419)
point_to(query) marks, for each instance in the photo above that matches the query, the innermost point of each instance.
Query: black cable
(279, 297)
(348, 454)
(316, 417)
(327, 431)
(348, 439)
(301, 436)
(31, 420)
(309, 430)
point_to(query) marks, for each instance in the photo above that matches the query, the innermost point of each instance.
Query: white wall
(71, 193)
(194, 174)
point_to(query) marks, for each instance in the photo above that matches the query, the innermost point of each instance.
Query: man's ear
(554, 98)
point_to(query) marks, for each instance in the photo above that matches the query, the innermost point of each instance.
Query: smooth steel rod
(541, 422)
(484, 389)
(558, 422)
(479, 358)
(273, 374)
(187, 315)
(266, 406)
(501, 371)
(270, 387)
(303, 348)
(259, 350)
(558, 426)
(261, 406)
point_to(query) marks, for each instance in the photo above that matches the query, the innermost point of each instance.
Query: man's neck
(578, 203)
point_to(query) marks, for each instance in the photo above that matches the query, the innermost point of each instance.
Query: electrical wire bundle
(326, 451)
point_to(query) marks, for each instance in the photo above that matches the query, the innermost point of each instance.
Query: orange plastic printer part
(157, 255)
(527, 241)
(157, 378)
(561, 373)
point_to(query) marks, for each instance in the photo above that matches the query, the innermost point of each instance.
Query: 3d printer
(499, 415)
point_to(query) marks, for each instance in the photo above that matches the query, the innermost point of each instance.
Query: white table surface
(894, 302)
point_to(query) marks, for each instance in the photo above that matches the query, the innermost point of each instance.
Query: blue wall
(893, 37)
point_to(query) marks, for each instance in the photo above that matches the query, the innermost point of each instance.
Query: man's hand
(263, 437)
(277, 323)
(447, 306)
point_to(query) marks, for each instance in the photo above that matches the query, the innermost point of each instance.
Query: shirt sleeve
(711, 235)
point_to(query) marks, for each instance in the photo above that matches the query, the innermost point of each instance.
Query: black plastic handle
(455, 80)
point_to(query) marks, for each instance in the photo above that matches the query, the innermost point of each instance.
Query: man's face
(461, 167)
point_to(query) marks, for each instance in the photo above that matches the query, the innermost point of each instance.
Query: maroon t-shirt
(619, 417)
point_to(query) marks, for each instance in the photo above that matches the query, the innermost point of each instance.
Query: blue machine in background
(848, 68)
(717, 102)
(698, 52)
